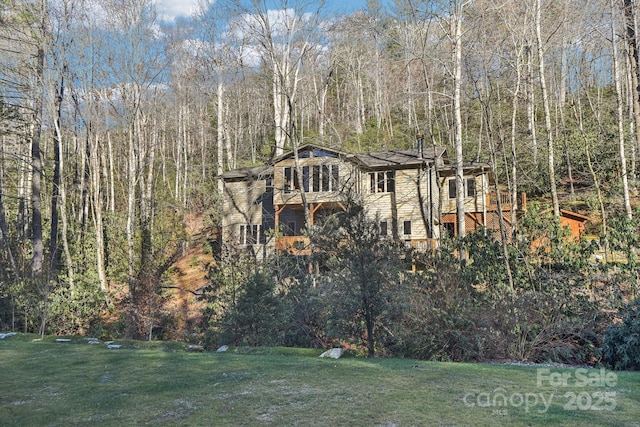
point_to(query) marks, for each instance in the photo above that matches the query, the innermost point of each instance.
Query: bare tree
(547, 108)
(456, 34)
(620, 112)
(629, 8)
(283, 34)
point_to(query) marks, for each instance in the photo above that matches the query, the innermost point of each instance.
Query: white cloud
(169, 10)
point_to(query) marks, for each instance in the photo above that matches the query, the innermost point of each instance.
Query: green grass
(46, 383)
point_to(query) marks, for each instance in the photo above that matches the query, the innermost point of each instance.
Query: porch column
(278, 209)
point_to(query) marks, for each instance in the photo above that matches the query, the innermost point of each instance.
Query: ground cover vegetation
(115, 123)
(159, 383)
(372, 294)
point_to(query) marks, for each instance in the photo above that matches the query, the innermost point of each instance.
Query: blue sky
(172, 9)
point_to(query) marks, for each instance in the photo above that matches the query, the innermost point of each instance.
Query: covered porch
(291, 226)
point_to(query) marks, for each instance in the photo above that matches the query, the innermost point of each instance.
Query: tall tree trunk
(620, 115)
(177, 153)
(131, 217)
(112, 180)
(632, 43)
(97, 208)
(562, 98)
(185, 157)
(59, 200)
(531, 106)
(220, 138)
(547, 111)
(36, 174)
(456, 33)
(54, 252)
(280, 110)
(360, 104)
(513, 182)
(3, 218)
(485, 103)
(596, 181)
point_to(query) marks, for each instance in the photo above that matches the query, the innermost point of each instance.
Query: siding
(282, 197)
(243, 204)
(404, 203)
(471, 204)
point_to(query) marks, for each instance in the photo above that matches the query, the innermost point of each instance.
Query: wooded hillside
(114, 125)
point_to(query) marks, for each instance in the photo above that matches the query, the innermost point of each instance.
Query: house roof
(395, 158)
(477, 167)
(255, 172)
(573, 215)
(375, 160)
(564, 213)
(310, 150)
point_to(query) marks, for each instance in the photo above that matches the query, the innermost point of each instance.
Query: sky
(169, 10)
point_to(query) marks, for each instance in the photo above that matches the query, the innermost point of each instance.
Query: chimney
(420, 140)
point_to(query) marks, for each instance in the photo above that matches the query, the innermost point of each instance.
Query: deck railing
(421, 244)
(505, 201)
(295, 245)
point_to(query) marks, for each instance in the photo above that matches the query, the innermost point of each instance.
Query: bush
(621, 347)
(258, 317)
(467, 311)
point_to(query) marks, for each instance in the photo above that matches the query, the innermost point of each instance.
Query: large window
(452, 188)
(469, 187)
(382, 181)
(320, 178)
(290, 179)
(250, 234)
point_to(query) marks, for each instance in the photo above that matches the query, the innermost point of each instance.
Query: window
(406, 228)
(305, 178)
(335, 178)
(383, 182)
(452, 188)
(250, 234)
(315, 178)
(290, 179)
(383, 228)
(242, 237)
(471, 187)
(254, 234)
(326, 178)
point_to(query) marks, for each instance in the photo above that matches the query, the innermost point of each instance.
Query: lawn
(48, 383)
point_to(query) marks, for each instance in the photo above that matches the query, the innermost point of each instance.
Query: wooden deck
(421, 244)
(294, 245)
(505, 201)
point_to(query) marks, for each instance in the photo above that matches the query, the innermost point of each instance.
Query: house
(411, 192)
(575, 222)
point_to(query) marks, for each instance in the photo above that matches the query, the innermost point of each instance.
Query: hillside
(188, 276)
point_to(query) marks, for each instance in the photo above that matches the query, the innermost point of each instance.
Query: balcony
(422, 245)
(505, 201)
(294, 245)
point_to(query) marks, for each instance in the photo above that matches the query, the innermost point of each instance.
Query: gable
(316, 152)
(310, 151)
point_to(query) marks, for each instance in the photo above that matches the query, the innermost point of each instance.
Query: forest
(116, 122)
